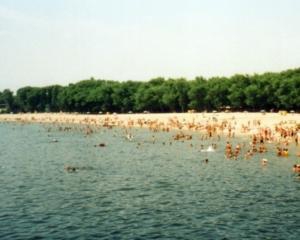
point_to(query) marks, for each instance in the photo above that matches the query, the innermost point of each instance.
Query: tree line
(268, 91)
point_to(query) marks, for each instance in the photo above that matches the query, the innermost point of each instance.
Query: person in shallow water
(296, 168)
(264, 162)
(70, 169)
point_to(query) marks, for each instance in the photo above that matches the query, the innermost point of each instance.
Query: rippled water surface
(139, 189)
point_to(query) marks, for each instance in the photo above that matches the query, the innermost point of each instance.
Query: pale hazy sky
(44, 42)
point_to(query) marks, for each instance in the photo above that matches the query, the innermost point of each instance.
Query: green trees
(175, 95)
(197, 94)
(149, 96)
(237, 95)
(87, 96)
(241, 92)
(30, 99)
(160, 95)
(123, 96)
(7, 100)
(217, 93)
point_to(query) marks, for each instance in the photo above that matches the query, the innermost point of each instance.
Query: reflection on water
(139, 189)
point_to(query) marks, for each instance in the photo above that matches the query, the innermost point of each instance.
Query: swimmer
(296, 168)
(247, 154)
(264, 162)
(129, 137)
(70, 169)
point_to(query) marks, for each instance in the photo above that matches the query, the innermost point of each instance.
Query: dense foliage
(241, 92)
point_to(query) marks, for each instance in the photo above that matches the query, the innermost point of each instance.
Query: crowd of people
(263, 138)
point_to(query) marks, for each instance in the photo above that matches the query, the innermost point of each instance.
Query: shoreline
(239, 123)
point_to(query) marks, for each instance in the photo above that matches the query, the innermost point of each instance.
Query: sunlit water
(148, 190)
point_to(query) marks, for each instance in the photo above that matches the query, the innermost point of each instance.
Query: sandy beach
(239, 123)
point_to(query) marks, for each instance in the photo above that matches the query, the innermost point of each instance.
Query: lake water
(139, 189)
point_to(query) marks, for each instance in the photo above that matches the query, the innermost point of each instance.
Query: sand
(238, 122)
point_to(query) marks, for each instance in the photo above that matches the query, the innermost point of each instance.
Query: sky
(46, 42)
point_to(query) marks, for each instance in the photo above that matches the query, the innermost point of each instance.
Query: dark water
(146, 191)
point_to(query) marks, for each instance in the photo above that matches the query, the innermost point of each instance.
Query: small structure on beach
(225, 109)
